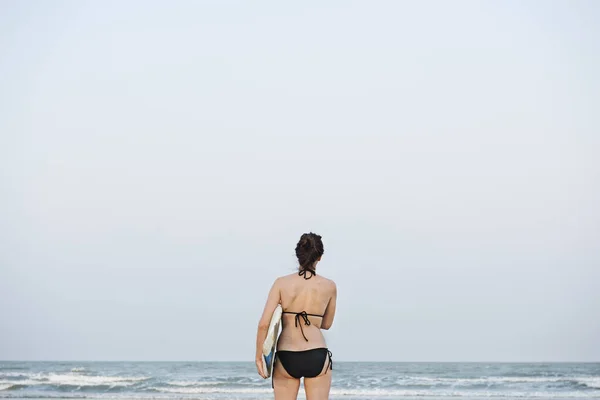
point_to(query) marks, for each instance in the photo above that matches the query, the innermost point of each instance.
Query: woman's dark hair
(308, 250)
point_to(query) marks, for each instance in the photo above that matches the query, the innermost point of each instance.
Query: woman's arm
(330, 310)
(273, 299)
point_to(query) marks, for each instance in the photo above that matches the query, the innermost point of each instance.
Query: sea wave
(225, 381)
(18, 383)
(385, 392)
(469, 393)
(12, 374)
(407, 385)
(53, 379)
(592, 382)
(201, 390)
(367, 393)
(195, 383)
(97, 380)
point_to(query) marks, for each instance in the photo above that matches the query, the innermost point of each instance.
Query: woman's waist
(290, 339)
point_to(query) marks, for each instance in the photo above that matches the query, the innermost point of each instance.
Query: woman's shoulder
(329, 282)
(287, 277)
(281, 280)
(325, 279)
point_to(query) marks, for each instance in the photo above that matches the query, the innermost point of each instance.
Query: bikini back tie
(304, 315)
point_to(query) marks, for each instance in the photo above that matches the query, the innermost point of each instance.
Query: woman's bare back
(314, 296)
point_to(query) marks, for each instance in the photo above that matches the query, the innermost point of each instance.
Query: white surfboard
(271, 341)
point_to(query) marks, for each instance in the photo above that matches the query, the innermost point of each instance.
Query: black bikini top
(303, 314)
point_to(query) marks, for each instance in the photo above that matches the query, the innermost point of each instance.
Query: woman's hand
(259, 367)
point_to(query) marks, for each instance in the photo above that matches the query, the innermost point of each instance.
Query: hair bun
(308, 250)
(305, 242)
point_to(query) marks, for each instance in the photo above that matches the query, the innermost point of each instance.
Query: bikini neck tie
(303, 272)
(297, 322)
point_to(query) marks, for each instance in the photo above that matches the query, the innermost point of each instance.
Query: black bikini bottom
(306, 363)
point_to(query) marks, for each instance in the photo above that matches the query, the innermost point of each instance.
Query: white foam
(75, 380)
(83, 380)
(525, 379)
(469, 394)
(199, 390)
(194, 383)
(27, 382)
(590, 381)
(12, 374)
(430, 381)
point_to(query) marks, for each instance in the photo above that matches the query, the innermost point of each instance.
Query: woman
(308, 302)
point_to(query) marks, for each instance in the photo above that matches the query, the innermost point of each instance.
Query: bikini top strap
(304, 271)
(304, 315)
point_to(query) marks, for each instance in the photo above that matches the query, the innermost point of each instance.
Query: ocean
(351, 380)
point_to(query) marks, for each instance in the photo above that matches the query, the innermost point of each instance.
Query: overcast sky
(160, 160)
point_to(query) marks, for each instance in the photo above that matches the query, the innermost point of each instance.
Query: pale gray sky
(159, 161)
